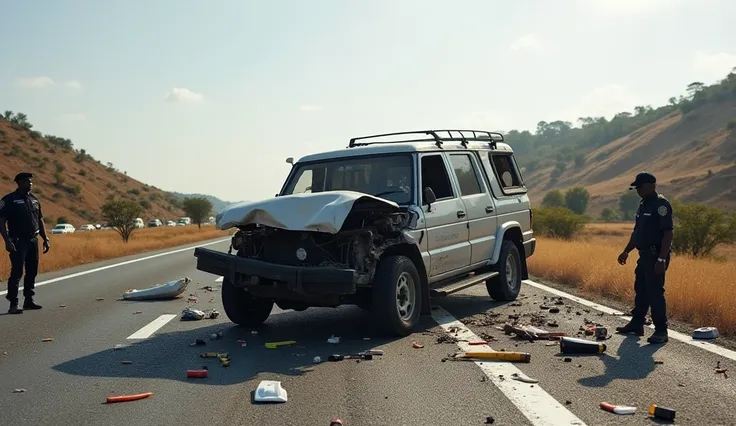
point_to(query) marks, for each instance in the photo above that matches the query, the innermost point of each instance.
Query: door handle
(460, 213)
(489, 209)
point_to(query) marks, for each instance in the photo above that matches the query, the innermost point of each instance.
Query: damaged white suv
(386, 224)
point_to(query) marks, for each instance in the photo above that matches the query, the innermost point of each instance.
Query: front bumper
(300, 280)
(530, 246)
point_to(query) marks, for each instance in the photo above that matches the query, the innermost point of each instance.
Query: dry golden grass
(699, 292)
(87, 247)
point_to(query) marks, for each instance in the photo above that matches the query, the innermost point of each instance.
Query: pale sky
(212, 96)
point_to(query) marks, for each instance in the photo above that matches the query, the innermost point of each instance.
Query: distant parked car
(170, 223)
(87, 227)
(63, 228)
(154, 223)
(138, 222)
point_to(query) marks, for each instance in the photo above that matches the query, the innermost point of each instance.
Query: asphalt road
(68, 379)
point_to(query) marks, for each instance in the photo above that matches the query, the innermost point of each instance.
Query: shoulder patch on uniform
(662, 210)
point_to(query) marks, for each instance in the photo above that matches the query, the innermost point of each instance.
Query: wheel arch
(511, 231)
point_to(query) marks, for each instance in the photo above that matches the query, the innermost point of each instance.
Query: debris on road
(119, 346)
(333, 340)
(126, 398)
(100, 299)
(446, 338)
(705, 333)
(168, 290)
(658, 361)
(216, 336)
(198, 342)
(137, 312)
(274, 345)
(19, 390)
(317, 360)
(567, 359)
(618, 409)
(192, 299)
(601, 333)
(336, 422)
(489, 420)
(62, 306)
(573, 345)
(213, 314)
(211, 355)
(190, 314)
(489, 318)
(126, 362)
(242, 343)
(416, 345)
(663, 413)
(554, 310)
(523, 378)
(270, 391)
(493, 356)
(477, 343)
(47, 339)
(253, 332)
(530, 332)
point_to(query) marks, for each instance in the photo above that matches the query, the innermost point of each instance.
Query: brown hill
(690, 145)
(70, 183)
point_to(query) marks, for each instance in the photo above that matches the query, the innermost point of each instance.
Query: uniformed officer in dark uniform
(652, 237)
(21, 211)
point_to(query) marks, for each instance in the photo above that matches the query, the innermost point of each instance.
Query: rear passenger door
(481, 214)
(509, 189)
(446, 219)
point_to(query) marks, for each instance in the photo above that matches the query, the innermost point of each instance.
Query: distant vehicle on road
(185, 220)
(170, 223)
(154, 223)
(63, 228)
(98, 226)
(87, 227)
(138, 222)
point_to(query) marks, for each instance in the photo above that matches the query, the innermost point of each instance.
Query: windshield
(388, 177)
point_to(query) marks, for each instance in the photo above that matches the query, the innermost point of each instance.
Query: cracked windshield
(368, 213)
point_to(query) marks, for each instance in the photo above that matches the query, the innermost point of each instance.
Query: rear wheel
(507, 285)
(241, 307)
(397, 295)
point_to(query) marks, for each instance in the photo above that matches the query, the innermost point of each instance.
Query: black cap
(642, 178)
(22, 176)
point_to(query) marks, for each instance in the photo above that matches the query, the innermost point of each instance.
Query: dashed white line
(115, 265)
(152, 327)
(684, 338)
(534, 402)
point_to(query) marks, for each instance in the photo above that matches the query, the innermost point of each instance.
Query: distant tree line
(562, 145)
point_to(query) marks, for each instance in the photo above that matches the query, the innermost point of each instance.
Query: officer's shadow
(635, 361)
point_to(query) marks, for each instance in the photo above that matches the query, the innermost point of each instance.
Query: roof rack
(434, 136)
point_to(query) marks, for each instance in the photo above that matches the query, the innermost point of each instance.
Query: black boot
(632, 327)
(14, 309)
(29, 304)
(659, 336)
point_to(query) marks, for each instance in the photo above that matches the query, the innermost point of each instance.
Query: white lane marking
(684, 338)
(219, 280)
(534, 402)
(152, 327)
(115, 265)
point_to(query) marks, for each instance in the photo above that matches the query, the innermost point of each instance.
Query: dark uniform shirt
(22, 213)
(653, 217)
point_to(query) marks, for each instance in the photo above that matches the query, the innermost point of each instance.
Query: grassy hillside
(689, 144)
(69, 182)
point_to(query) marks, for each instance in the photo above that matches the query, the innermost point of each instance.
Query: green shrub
(700, 228)
(558, 222)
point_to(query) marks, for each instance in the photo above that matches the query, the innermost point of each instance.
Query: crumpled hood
(321, 212)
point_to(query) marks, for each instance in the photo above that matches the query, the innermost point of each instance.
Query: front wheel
(242, 308)
(397, 295)
(507, 285)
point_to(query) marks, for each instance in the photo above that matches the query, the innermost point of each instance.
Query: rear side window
(434, 175)
(466, 174)
(507, 173)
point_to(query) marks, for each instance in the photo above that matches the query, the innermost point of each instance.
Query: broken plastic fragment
(523, 378)
(270, 391)
(617, 409)
(190, 314)
(216, 336)
(119, 346)
(317, 360)
(334, 340)
(416, 345)
(167, 290)
(274, 345)
(126, 398)
(62, 306)
(47, 339)
(100, 299)
(19, 390)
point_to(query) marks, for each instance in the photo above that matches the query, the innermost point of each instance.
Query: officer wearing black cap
(652, 237)
(21, 212)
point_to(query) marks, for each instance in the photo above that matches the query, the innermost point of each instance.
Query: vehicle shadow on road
(634, 362)
(169, 355)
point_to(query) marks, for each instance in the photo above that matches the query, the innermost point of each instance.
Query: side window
(434, 175)
(466, 174)
(506, 171)
(304, 183)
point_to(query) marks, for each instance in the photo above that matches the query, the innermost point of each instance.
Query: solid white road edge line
(115, 265)
(219, 280)
(684, 338)
(152, 327)
(534, 402)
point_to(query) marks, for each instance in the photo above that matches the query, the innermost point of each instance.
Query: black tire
(392, 273)
(242, 308)
(507, 285)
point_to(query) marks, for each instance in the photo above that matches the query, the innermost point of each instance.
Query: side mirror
(290, 160)
(429, 197)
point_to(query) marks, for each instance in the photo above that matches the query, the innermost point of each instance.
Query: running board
(463, 284)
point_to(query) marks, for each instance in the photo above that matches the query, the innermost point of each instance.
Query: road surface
(68, 379)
